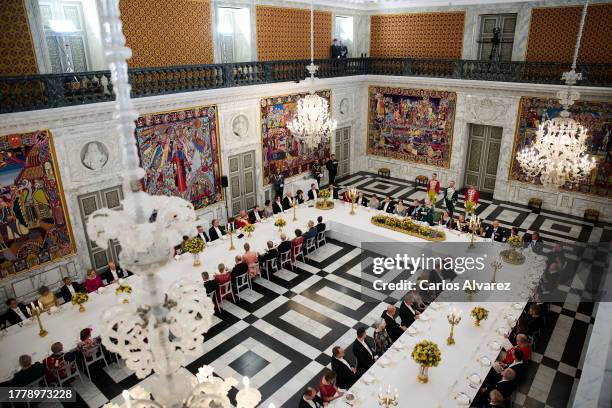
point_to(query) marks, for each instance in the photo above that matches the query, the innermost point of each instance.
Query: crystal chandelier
(161, 327)
(559, 153)
(312, 123)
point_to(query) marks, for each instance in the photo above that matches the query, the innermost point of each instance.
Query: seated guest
(313, 193)
(216, 231)
(461, 225)
(534, 241)
(535, 322)
(242, 220)
(418, 212)
(394, 329)
(496, 232)
(299, 196)
(328, 389)
(93, 281)
(210, 285)
(361, 199)
(320, 224)
(334, 191)
(415, 203)
(312, 231)
(287, 201)
(387, 205)
(344, 370)
(346, 196)
(221, 269)
(507, 384)
(240, 269)
(407, 312)
(381, 338)
(277, 206)
(285, 245)
(296, 242)
(70, 288)
(374, 202)
(496, 399)
(522, 343)
(271, 251)
(201, 234)
(514, 232)
(180, 248)
(47, 298)
(362, 350)
(310, 399)
(87, 344)
(255, 215)
(55, 363)
(445, 220)
(28, 372)
(16, 312)
(113, 273)
(251, 258)
(400, 208)
(268, 211)
(427, 215)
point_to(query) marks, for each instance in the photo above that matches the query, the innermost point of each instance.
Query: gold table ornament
(387, 399)
(496, 265)
(453, 317)
(352, 192)
(36, 312)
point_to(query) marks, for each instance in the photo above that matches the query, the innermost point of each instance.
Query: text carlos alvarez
(470, 284)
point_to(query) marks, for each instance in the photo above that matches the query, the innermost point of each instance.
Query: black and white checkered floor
(282, 332)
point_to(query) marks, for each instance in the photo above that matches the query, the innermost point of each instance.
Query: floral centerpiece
(408, 226)
(280, 223)
(80, 298)
(470, 207)
(479, 314)
(512, 254)
(124, 290)
(323, 203)
(426, 354)
(194, 246)
(249, 229)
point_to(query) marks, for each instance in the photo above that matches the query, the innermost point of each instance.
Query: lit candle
(245, 382)
(40, 305)
(126, 396)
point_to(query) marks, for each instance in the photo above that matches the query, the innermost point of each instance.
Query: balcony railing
(33, 92)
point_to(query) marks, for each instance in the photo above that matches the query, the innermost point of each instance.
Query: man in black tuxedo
(287, 201)
(534, 241)
(507, 384)
(277, 205)
(345, 371)
(496, 231)
(216, 231)
(271, 252)
(238, 270)
(70, 288)
(407, 312)
(310, 399)
(361, 199)
(113, 273)
(320, 224)
(393, 329)
(387, 205)
(210, 285)
(201, 234)
(363, 352)
(16, 312)
(284, 246)
(313, 193)
(255, 215)
(332, 168)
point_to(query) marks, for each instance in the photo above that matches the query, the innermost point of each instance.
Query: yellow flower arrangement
(123, 289)
(470, 207)
(479, 314)
(249, 228)
(79, 298)
(426, 353)
(324, 193)
(407, 226)
(194, 245)
(280, 222)
(515, 242)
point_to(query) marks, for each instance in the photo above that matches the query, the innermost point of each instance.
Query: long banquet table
(446, 380)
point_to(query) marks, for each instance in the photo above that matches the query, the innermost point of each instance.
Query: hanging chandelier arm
(580, 30)
(311, 32)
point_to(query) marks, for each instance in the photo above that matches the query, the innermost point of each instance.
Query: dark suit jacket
(506, 388)
(320, 227)
(286, 203)
(364, 201)
(284, 246)
(65, 292)
(272, 254)
(311, 194)
(277, 208)
(238, 270)
(346, 378)
(364, 359)
(406, 316)
(12, 317)
(252, 218)
(29, 375)
(393, 329)
(390, 207)
(213, 234)
(317, 401)
(311, 233)
(206, 237)
(108, 276)
(210, 286)
(520, 370)
(499, 235)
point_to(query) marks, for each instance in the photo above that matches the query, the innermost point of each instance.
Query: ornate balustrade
(23, 93)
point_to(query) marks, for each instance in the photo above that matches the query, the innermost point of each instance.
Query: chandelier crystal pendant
(558, 155)
(312, 124)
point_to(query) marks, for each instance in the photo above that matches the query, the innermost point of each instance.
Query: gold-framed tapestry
(34, 224)
(595, 116)
(281, 151)
(179, 151)
(413, 125)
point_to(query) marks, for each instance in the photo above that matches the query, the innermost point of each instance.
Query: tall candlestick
(41, 332)
(453, 317)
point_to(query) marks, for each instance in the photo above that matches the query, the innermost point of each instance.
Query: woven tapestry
(282, 151)
(34, 226)
(414, 125)
(179, 152)
(595, 116)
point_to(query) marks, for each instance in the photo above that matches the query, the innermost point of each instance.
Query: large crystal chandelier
(161, 327)
(559, 153)
(312, 123)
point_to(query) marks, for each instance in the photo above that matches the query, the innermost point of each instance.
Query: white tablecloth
(354, 229)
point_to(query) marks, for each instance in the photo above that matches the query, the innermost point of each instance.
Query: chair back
(270, 266)
(93, 353)
(225, 288)
(321, 238)
(297, 249)
(285, 257)
(242, 281)
(310, 244)
(254, 269)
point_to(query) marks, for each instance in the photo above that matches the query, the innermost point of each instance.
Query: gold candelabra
(36, 312)
(453, 317)
(294, 204)
(474, 226)
(230, 232)
(496, 265)
(352, 192)
(388, 399)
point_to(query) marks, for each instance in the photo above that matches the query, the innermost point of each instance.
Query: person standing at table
(278, 183)
(70, 288)
(451, 196)
(472, 195)
(47, 298)
(393, 328)
(433, 187)
(363, 351)
(16, 312)
(332, 169)
(93, 282)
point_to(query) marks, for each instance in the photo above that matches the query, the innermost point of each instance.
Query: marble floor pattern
(282, 332)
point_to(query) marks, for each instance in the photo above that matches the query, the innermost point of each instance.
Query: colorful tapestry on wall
(179, 152)
(595, 116)
(34, 227)
(281, 150)
(414, 125)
